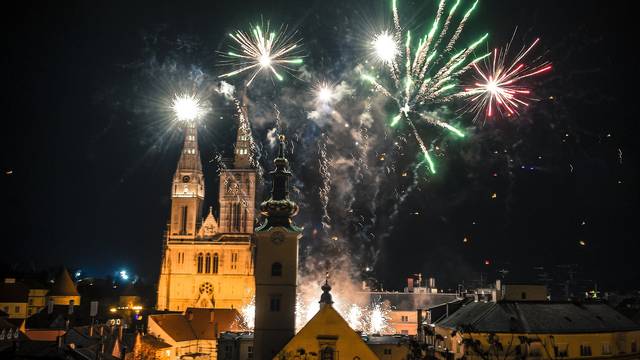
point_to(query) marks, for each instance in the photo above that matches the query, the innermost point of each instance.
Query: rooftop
(538, 317)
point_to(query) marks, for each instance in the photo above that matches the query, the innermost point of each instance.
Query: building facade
(209, 262)
(535, 329)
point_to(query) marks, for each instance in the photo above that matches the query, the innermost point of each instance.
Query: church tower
(276, 266)
(238, 186)
(187, 193)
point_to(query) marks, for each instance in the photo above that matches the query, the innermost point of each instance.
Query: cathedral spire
(190, 156)
(242, 153)
(279, 210)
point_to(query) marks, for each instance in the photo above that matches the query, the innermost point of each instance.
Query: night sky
(88, 155)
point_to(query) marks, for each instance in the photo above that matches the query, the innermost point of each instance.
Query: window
(17, 309)
(250, 352)
(606, 349)
(200, 263)
(30, 302)
(387, 351)
(276, 269)
(216, 261)
(274, 304)
(404, 318)
(535, 351)
(634, 346)
(523, 296)
(585, 350)
(234, 260)
(235, 216)
(327, 353)
(207, 263)
(183, 223)
(561, 350)
(404, 332)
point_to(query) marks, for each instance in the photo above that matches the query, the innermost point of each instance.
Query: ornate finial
(281, 146)
(325, 298)
(279, 209)
(210, 209)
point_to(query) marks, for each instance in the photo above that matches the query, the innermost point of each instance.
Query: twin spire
(190, 157)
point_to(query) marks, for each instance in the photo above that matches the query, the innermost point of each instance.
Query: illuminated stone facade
(209, 262)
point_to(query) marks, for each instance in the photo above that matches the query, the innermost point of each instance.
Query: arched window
(327, 353)
(207, 263)
(276, 269)
(215, 263)
(200, 263)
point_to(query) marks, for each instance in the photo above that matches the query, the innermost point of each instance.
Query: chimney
(432, 283)
(71, 307)
(410, 284)
(50, 306)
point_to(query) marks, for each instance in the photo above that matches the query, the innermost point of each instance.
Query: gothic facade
(209, 263)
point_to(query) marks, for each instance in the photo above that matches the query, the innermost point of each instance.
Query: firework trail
(423, 74)
(259, 51)
(324, 163)
(498, 84)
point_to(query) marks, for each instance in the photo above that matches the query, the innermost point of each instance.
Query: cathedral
(225, 263)
(208, 262)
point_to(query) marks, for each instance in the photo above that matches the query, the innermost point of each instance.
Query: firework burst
(423, 74)
(498, 84)
(258, 51)
(187, 107)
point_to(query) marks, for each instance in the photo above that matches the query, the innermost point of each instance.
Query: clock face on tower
(185, 179)
(277, 237)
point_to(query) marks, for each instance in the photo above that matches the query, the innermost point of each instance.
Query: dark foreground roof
(14, 292)
(64, 286)
(203, 324)
(538, 317)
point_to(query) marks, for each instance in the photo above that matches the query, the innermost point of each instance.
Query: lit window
(216, 261)
(606, 349)
(387, 351)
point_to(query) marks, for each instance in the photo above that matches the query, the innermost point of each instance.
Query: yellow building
(536, 329)
(64, 290)
(14, 298)
(327, 336)
(209, 263)
(37, 297)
